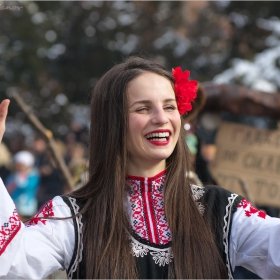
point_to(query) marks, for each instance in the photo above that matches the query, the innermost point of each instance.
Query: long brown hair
(107, 247)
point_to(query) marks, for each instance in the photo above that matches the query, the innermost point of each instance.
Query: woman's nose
(159, 116)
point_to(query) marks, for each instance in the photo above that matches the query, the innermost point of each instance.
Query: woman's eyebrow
(149, 101)
(141, 102)
(169, 100)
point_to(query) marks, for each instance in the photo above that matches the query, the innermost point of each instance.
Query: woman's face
(154, 120)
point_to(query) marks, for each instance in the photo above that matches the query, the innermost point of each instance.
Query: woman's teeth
(160, 136)
(158, 139)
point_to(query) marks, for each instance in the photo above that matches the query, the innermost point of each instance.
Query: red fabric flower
(185, 90)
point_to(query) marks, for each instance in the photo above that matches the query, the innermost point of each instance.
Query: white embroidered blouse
(43, 246)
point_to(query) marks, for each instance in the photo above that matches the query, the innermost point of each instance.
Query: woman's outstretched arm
(35, 250)
(38, 248)
(255, 242)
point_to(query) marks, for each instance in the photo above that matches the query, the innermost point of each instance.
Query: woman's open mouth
(158, 138)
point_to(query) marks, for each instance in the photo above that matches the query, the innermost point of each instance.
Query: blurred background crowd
(30, 172)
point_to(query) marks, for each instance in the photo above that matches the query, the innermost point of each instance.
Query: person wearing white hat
(25, 158)
(22, 184)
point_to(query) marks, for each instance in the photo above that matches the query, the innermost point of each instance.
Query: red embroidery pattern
(9, 230)
(158, 206)
(146, 202)
(136, 204)
(45, 212)
(249, 209)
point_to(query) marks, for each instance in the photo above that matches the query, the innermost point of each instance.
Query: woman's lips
(159, 142)
(159, 137)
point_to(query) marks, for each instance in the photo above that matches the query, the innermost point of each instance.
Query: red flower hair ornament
(185, 90)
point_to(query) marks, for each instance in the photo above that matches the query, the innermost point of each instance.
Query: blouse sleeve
(37, 249)
(255, 241)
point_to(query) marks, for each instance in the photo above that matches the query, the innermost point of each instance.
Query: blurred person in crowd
(17, 143)
(78, 134)
(5, 161)
(78, 163)
(200, 154)
(80, 131)
(192, 141)
(198, 150)
(51, 181)
(39, 149)
(205, 154)
(22, 184)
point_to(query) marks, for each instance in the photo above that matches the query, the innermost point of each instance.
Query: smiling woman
(154, 124)
(138, 216)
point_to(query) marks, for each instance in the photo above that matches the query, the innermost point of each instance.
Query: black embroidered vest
(152, 259)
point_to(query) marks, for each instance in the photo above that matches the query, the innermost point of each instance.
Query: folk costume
(244, 236)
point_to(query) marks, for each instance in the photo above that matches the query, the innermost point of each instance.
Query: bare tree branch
(47, 134)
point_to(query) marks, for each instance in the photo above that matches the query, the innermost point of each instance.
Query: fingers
(3, 114)
(4, 110)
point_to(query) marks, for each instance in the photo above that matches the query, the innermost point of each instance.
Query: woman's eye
(170, 108)
(142, 110)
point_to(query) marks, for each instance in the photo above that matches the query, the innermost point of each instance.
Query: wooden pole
(47, 134)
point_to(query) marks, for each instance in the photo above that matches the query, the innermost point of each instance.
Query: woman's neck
(145, 170)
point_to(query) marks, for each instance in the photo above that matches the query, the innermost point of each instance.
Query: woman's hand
(3, 114)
